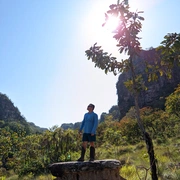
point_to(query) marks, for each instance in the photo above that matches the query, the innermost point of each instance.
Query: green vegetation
(28, 156)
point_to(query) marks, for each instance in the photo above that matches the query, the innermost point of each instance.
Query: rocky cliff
(156, 91)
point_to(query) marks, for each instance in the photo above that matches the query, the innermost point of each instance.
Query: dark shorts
(88, 137)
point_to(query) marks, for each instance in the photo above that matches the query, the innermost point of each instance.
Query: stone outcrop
(94, 170)
(156, 91)
(71, 125)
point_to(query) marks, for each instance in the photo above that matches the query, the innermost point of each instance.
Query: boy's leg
(92, 144)
(84, 144)
(92, 148)
(83, 148)
(83, 151)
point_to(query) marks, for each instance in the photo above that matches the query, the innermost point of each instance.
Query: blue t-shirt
(89, 123)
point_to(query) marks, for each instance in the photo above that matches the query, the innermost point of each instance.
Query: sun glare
(95, 32)
(112, 23)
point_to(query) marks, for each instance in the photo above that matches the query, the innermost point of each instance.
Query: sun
(93, 31)
(112, 23)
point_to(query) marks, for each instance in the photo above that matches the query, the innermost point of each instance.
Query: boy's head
(91, 106)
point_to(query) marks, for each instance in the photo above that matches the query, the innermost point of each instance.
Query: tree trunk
(147, 138)
(149, 145)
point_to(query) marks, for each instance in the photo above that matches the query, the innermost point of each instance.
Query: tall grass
(137, 165)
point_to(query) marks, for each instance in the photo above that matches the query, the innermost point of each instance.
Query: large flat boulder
(94, 170)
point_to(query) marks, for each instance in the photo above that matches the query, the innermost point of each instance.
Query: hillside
(11, 116)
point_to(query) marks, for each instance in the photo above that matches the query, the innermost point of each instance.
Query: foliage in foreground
(29, 156)
(134, 161)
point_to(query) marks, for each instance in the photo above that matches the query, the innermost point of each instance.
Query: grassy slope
(135, 160)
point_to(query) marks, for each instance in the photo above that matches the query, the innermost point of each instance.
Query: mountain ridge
(11, 116)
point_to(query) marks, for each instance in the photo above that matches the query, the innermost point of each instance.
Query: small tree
(126, 34)
(173, 102)
(170, 51)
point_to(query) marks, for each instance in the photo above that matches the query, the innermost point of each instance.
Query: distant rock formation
(74, 126)
(157, 91)
(95, 170)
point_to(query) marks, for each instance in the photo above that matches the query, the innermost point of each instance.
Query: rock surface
(95, 170)
(157, 90)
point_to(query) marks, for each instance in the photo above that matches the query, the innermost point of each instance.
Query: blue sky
(44, 70)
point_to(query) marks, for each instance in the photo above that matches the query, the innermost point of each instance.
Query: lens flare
(112, 23)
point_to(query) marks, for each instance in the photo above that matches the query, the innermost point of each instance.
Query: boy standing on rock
(89, 126)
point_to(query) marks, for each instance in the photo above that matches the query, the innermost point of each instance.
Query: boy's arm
(95, 124)
(82, 125)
